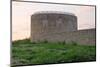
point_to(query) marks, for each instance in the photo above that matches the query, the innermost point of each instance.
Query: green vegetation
(24, 52)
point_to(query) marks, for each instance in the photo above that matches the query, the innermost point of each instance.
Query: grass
(24, 52)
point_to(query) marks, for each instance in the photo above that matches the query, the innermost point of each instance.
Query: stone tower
(46, 23)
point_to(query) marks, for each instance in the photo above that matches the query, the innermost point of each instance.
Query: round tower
(50, 22)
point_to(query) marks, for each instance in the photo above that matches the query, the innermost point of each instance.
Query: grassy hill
(24, 52)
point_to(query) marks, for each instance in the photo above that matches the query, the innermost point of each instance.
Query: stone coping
(53, 12)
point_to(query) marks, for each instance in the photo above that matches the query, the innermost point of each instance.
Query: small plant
(59, 42)
(33, 42)
(74, 43)
(45, 41)
(63, 42)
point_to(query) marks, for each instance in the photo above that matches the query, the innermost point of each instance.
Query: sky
(22, 11)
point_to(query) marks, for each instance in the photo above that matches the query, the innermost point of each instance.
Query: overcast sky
(22, 11)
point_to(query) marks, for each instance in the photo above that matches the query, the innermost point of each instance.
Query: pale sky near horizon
(22, 11)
